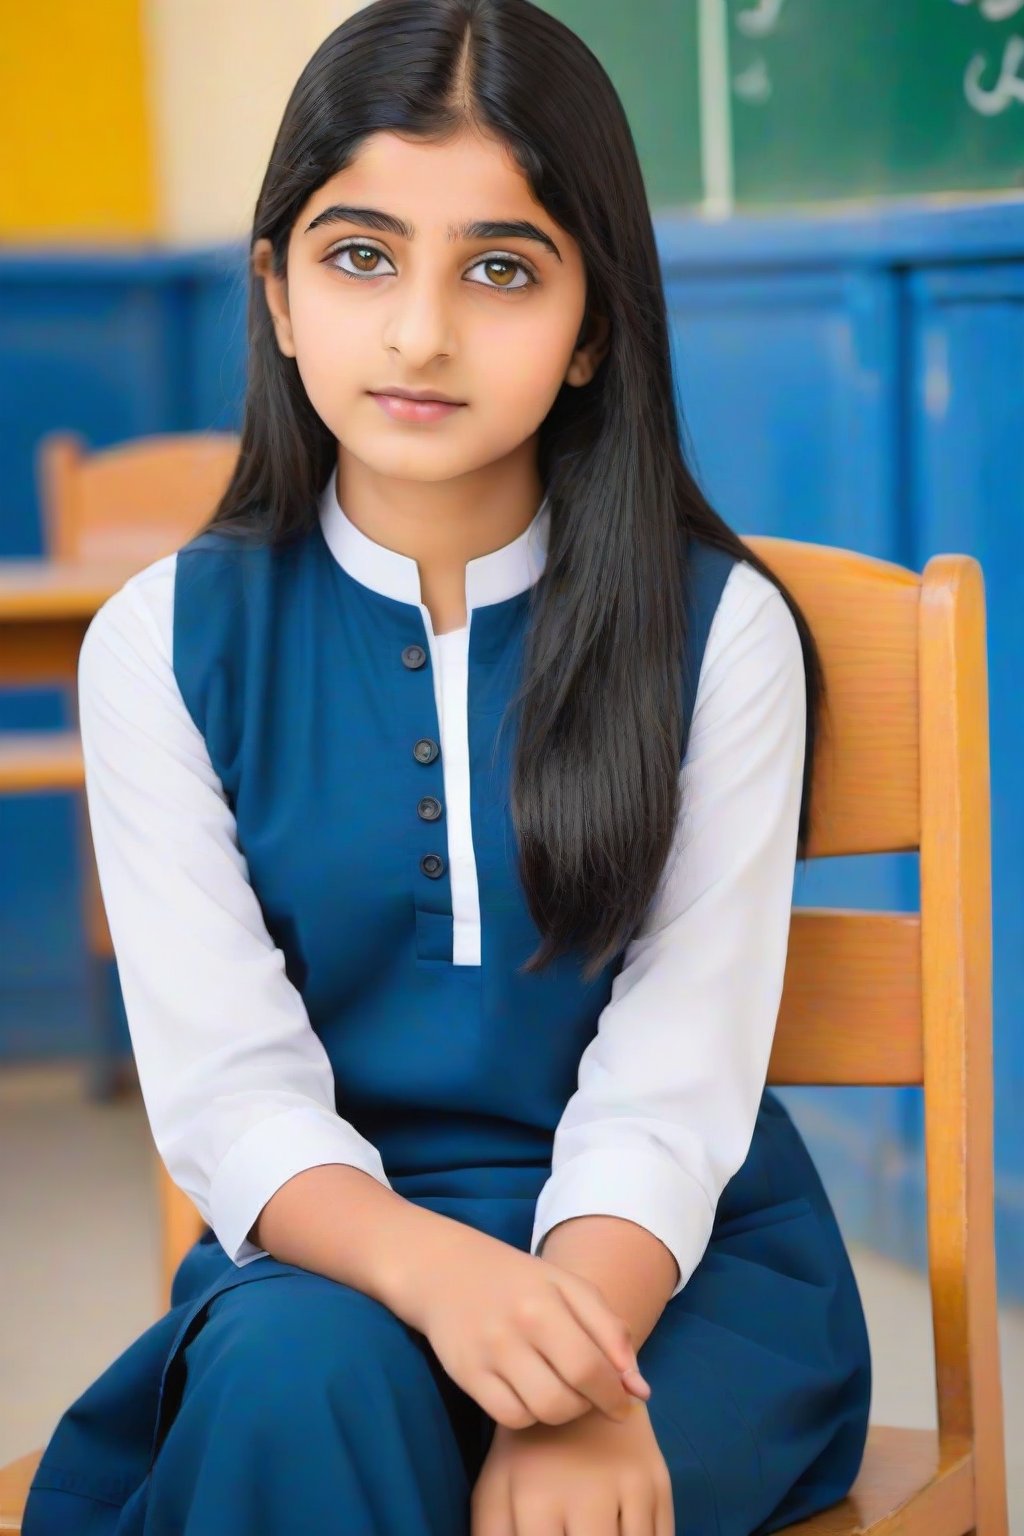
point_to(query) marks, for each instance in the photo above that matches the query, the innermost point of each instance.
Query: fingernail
(637, 1382)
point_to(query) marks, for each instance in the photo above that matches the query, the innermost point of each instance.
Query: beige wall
(220, 75)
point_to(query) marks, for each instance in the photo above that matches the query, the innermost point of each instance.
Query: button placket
(426, 750)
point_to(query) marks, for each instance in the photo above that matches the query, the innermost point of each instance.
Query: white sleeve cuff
(271, 1153)
(641, 1185)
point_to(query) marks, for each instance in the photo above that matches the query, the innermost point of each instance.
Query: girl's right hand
(530, 1342)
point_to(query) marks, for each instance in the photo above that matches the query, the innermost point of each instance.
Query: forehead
(428, 183)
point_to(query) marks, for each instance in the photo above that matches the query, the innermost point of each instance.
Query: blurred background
(838, 192)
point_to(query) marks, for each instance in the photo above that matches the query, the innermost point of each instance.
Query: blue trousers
(273, 1400)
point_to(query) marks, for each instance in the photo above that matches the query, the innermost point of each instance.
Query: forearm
(339, 1221)
(631, 1267)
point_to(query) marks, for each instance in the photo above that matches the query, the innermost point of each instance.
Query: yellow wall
(129, 119)
(75, 144)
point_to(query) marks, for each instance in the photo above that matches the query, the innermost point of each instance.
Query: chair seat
(904, 1486)
(14, 1485)
(40, 760)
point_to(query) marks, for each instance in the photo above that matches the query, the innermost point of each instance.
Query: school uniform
(299, 802)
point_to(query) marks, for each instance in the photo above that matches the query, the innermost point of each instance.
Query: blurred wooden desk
(45, 608)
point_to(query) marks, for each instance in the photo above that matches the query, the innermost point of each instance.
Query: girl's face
(388, 286)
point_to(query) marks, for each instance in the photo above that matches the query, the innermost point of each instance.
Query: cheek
(524, 359)
(324, 307)
(330, 350)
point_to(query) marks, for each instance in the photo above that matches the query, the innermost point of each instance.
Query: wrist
(416, 1261)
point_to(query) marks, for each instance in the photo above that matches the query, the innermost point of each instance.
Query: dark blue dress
(272, 1399)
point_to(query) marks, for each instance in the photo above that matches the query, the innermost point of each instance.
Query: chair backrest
(906, 998)
(133, 502)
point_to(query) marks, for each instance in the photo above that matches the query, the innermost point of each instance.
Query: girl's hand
(529, 1342)
(589, 1478)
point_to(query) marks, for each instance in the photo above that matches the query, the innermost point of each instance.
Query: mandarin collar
(490, 578)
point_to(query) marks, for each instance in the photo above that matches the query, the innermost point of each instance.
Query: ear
(589, 353)
(276, 291)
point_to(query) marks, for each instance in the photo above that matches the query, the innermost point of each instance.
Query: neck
(442, 525)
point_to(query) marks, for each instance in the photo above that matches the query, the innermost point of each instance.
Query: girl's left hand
(588, 1477)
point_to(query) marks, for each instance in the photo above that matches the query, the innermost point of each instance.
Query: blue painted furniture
(859, 380)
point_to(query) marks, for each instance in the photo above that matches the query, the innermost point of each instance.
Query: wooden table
(45, 609)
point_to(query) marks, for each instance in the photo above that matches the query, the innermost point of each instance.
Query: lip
(417, 394)
(406, 408)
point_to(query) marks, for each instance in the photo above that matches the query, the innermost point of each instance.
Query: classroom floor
(78, 1217)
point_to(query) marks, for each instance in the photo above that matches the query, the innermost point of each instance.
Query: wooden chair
(885, 998)
(125, 505)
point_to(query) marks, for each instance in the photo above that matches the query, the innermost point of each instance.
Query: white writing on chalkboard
(1009, 84)
(754, 83)
(996, 10)
(762, 17)
(988, 90)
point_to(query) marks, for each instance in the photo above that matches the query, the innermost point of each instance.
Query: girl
(446, 791)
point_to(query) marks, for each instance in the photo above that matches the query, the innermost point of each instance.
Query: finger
(501, 1401)
(534, 1513)
(490, 1505)
(581, 1365)
(548, 1396)
(638, 1514)
(608, 1330)
(609, 1334)
(594, 1511)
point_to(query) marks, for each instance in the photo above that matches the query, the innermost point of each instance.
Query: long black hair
(594, 790)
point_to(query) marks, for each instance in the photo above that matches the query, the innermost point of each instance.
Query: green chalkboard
(649, 50)
(841, 98)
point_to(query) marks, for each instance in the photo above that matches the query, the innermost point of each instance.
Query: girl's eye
(363, 256)
(508, 264)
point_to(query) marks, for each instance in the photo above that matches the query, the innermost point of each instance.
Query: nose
(418, 323)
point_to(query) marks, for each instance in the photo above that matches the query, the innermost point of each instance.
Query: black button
(429, 808)
(425, 750)
(414, 656)
(432, 864)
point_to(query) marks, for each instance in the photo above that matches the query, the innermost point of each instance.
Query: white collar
(490, 578)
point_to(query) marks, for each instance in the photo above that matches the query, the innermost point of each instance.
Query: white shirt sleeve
(237, 1086)
(669, 1086)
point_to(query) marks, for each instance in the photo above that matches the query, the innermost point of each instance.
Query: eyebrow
(474, 229)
